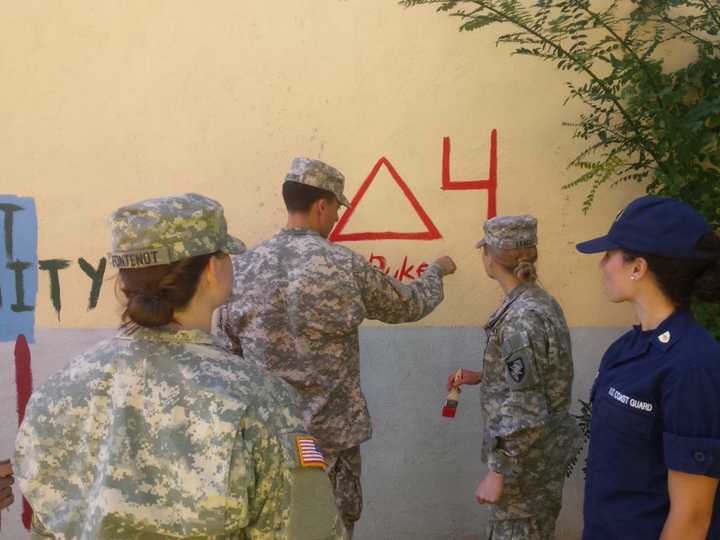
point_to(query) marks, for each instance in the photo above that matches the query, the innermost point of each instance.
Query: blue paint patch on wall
(18, 267)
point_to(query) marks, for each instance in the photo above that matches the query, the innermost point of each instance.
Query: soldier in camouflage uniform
(159, 432)
(526, 383)
(297, 305)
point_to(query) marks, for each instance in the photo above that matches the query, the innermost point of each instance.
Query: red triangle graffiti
(431, 232)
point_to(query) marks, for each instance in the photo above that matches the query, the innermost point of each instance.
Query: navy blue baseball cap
(655, 226)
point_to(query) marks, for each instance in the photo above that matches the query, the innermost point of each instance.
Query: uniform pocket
(625, 420)
(622, 444)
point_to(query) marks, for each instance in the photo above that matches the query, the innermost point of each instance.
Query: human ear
(640, 268)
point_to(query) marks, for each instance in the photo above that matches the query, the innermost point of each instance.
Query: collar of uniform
(298, 231)
(168, 334)
(509, 299)
(672, 329)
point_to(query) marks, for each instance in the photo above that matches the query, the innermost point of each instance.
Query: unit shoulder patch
(516, 369)
(519, 360)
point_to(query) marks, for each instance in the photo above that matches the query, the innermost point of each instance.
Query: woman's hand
(490, 489)
(465, 377)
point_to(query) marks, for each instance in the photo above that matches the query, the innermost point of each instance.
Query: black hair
(300, 197)
(154, 293)
(683, 280)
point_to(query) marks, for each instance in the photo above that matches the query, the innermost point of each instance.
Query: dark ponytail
(519, 261)
(683, 280)
(707, 285)
(153, 294)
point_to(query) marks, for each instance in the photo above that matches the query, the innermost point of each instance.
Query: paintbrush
(453, 397)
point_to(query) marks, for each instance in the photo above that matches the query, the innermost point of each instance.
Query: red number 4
(489, 184)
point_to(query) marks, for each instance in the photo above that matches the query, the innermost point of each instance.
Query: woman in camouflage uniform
(526, 382)
(158, 432)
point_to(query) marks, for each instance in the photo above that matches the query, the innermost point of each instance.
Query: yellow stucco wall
(105, 103)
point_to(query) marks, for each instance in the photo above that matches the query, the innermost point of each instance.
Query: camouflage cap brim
(234, 246)
(480, 243)
(342, 199)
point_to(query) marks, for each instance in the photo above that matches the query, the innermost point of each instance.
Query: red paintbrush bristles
(448, 411)
(451, 404)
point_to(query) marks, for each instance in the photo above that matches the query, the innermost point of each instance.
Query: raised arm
(388, 300)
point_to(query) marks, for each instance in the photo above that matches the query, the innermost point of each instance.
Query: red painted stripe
(23, 385)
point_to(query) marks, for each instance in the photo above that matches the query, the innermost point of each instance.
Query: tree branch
(583, 67)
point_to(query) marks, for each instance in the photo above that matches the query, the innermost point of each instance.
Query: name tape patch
(140, 259)
(627, 400)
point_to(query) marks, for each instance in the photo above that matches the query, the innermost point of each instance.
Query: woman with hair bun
(654, 457)
(159, 432)
(526, 384)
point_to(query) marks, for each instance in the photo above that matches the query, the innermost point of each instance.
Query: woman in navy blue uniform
(654, 456)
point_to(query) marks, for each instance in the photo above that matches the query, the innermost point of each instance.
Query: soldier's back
(299, 283)
(159, 435)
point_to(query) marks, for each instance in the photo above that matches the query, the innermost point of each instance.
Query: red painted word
(408, 272)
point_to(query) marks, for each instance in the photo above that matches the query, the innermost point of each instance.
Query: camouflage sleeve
(225, 327)
(38, 530)
(520, 421)
(285, 498)
(388, 300)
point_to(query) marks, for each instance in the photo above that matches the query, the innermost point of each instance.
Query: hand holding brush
(455, 380)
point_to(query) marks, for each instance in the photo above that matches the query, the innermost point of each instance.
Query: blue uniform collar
(669, 332)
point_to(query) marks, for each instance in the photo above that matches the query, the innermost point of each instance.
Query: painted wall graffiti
(19, 263)
(24, 388)
(431, 232)
(18, 267)
(94, 273)
(405, 271)
(18, 284)
(489, 184)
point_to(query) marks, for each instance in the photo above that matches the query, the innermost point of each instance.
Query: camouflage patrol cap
(510, 232)
(313, 172)
(168, 229)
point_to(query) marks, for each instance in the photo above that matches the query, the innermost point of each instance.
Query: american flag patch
(309, 452)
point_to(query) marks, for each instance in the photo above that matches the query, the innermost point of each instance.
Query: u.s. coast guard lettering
(627, 400)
